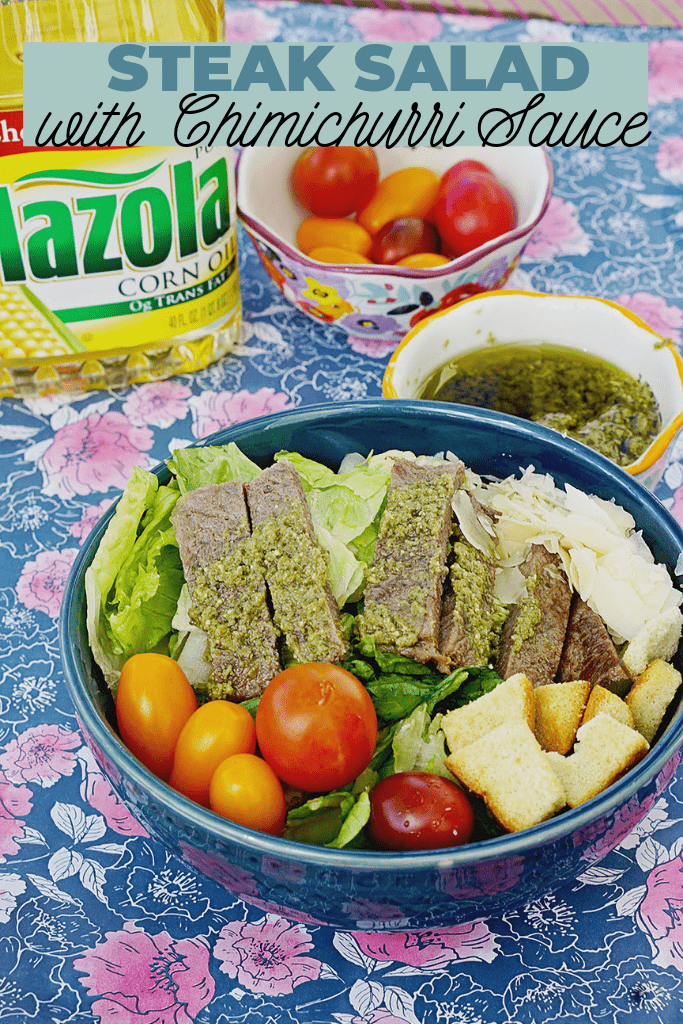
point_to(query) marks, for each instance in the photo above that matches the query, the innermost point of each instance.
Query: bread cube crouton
(604, 700)
(559, 709)
(658, 639)
(511, 700)
(650, 696)
(604, 750)
(510, 771)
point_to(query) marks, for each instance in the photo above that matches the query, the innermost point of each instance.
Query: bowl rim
(198, 817)
(658, 445)
(256, 226)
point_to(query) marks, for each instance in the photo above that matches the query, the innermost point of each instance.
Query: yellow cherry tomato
(333, 254)
(153, 702)
(410, 192)
(215, 731)
(246, 790)
(422, 260)
(316, 232)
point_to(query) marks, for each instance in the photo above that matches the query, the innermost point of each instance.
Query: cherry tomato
(403, 236)
(153, 702)
(335, 181)
(333, 254)
(422, 260)
(315, 232)
(419, 811)
(410, 192)
(475, 209)
(461, 170)
(216, 730)
(246, 790)
(316, 727)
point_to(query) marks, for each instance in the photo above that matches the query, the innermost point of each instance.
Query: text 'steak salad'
(400, 655)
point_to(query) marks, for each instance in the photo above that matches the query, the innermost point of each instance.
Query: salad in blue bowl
(441, 643)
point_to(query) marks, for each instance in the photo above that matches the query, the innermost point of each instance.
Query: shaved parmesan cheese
(607, 561)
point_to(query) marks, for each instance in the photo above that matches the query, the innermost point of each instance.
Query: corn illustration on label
(115, 251)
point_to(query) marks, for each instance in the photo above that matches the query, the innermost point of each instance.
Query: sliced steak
(589, 653)
(404, 592)
(227, 589)
(533, 634)
(295, 566)
(466, 632)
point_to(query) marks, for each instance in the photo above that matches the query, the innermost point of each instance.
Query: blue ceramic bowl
(352, 889)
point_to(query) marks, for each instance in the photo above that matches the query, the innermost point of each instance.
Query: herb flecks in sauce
(296, 570)
(471, 580)
(412, 522)
(229, 604)
(575, 393)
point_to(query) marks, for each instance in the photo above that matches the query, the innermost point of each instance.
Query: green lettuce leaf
(198, 467)
(134, 581)
(419, 744)
(347, 504)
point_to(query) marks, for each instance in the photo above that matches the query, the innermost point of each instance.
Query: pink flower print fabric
(267, 956)
(43, 755)
(14, 801)
(94, 454)
(150, 979)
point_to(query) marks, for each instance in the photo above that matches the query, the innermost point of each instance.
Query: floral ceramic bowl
(377, 305)
(371, 889)
(592, 325)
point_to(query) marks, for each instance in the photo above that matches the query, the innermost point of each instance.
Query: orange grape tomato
(334, 181)
(246, 790)
(422, 260)
(410, 192)
(153, 702)
(216, 730)
(316, 727)
(333, 254)
(315, 232)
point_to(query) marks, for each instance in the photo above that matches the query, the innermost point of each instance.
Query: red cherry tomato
(153, 702)
(245, 790)
(316, 727)
(461, 170)
(474, 209)
(335, 181)
(404, 236)
(419, 811)
(216, 730)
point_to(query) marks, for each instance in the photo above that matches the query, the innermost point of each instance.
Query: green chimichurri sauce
(580, 395)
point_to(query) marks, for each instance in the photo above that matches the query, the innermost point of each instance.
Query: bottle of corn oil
(116, 265)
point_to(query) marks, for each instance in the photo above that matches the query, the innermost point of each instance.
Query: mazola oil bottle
(116, 265)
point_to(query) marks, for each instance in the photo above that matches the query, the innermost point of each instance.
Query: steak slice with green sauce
(589, 653)
(403, 596)
(295, 566)
(533, 634)
(227, 588)
(467, 632)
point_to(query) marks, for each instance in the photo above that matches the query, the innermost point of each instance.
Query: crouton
(658, 639)
(650, 696)
(559, 709)
(510, 771)
(604, 750)
(511, 700)
(604, 700)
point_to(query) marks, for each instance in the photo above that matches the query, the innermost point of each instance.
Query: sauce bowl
(377, 304)
(585, 323)
(372, 889)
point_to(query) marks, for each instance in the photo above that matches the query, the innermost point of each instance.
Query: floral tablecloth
(99, 922)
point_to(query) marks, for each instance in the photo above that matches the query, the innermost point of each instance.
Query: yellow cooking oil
(116, 265)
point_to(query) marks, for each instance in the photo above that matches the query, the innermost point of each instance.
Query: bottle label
(128, 247)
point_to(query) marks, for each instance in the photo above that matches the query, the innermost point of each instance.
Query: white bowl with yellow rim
(589, 324)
